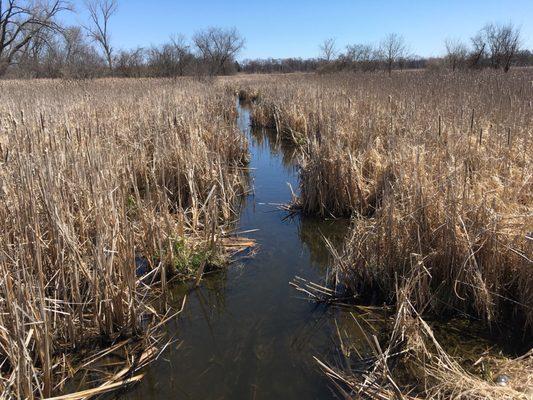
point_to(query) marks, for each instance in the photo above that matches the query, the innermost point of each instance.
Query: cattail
(472, 121)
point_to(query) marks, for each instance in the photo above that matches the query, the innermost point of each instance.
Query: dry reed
(435, 171)
(413, 365)
(433, 165)
(106, 187)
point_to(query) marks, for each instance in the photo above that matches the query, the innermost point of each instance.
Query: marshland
(437, 184)
(193, 220)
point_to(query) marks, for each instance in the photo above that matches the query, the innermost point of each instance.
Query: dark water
(245, 333)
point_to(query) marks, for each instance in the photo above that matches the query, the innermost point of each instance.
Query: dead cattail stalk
(102, 202)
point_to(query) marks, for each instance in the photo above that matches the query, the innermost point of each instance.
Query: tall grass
(435, 170)
(102, 182)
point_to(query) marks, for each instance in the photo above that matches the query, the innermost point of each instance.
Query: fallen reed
(412, 362)
(108, 189)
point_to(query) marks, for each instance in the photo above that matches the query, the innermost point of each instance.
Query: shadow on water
(245, 333)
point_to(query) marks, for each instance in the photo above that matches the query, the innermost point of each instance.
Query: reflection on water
(245, 333)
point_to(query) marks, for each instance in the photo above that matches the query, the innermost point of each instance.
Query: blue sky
(296, 27)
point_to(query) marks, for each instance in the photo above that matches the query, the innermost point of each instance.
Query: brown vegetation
(412, 364)
(107, 190)
(435, 170)
(436, 173)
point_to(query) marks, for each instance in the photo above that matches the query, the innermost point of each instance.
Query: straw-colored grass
(434, 168)
(412, 365)
(436, 172)
(102, 182)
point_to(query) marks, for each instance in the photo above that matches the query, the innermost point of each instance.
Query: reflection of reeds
(267, 137)
(315, 233)
(93, 175)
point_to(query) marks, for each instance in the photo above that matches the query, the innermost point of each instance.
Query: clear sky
(294, 28)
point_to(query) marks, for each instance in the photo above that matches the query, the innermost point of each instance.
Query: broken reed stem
(410, 363)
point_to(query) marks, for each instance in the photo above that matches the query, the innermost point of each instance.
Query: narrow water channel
(245, 333)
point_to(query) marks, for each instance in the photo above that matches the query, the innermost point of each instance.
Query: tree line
(496, 46)
(34, 44)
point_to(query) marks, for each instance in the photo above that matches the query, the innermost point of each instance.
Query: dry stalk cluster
(430, 164)
(435, 171)
(107, 190)
(411, 363)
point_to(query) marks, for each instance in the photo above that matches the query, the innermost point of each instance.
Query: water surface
(245, 333)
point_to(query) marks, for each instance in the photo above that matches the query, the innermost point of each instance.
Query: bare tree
(41, 57)
(74, 42)
(21, 22)
(479, 50)
(100, 12)
(218, 47)
(328, 50)
(170, 59)
(58, 54)
(362, 56)
(392, 49)
(130, 63)
(456, 53)
(80, 59)
(503, 43)
(182, 52)
(495, 45)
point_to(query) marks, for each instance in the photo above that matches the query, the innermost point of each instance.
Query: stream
(245, 333)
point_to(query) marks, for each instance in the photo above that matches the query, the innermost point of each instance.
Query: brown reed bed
(413, 364)
(108, 190)
(434, 170)
(431, 167)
